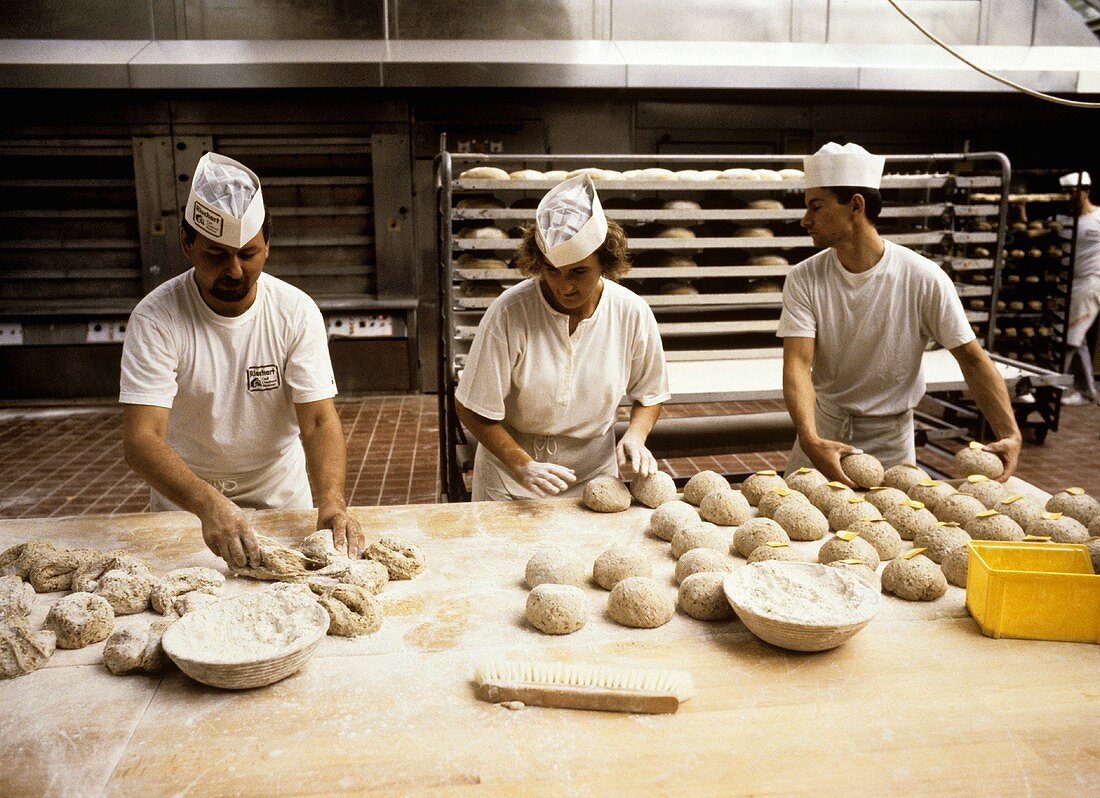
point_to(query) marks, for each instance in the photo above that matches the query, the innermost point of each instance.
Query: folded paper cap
(225, 204)
(1074, 179)
(850, 165)
(570, 224)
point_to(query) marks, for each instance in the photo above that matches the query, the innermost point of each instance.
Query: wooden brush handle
(595, 698)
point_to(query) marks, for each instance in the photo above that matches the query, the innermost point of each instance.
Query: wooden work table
(918, 703)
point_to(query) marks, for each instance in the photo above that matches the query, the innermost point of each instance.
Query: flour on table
(800, 594)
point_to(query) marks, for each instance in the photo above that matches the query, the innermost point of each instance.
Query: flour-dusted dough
(959, 508)
(776, 498)
(21, 650)
(782, 553)
(851, 510)
(320, 548)
(606, 494)
(53, 572)
(126, 592)
(654, 490)
(974, 460)
(640, 602)
(365, 573)
(910, 518)
(697, 561)
(671, 517)
(955, 565)
(701, 596)
(944, 537)
(1075, 503)
(914, 579)
(805, 479)
(18, 559)
(725, 508)
(137, 649)
(931, 493)
(79, 620)
(278, 563)
(757, 532)
(1021, 509)
(86, 578)
(984, 489)
(802, 521)
(555, 565)
(352, 611)
(828, 495)
(1059, 528)
(992, 525)
(881, 534)
(903, 476)
(182, 580)
(837, 548)
(1094, 550)
(858, 567)
(703, 535)
(618, 563)
(755, 486)
(863, 469)
(883, 497)
(702, 485)
(195, 600)
(16, 598)
(483, 173)
(402, 561)
(557, 609)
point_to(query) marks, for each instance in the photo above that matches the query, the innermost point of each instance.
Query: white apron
(889, 438)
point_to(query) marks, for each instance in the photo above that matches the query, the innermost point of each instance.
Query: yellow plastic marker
(987, 514)
(873, 520)
(976, 478)
(852, 561)
(976, 446)
(836, 485)
(769, 473)
(911, 503)
(1052, 516)
(855, 499)
(1037, 537)
(803, 470)
(947, 523)
(882, 487)
(1075, 491)
(782, 491)
(776, 544)
(911, 554)
(928, 483)
(1012, 499)
(844, 534)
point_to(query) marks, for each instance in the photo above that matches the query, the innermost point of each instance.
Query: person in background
(227, 387)
(554, 356)
(855, 322)
(1084, 301)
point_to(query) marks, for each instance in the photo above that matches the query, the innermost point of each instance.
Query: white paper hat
(1074, 179)
(850, 165)
(225, 204)
(570, 224)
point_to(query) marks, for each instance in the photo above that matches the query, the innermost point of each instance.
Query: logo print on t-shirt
(208, 220)
(263, 378)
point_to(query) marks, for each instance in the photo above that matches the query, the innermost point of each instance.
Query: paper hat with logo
(570, 224)
(225, 203)
(1074, 179)
(850, 165)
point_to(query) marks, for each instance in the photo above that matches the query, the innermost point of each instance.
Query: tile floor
(69, 461)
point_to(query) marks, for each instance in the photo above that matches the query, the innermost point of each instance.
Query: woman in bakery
(554, 356)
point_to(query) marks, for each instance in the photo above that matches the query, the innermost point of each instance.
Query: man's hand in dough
(346, 532)
(826, 454)
(641, 459)
(1008, 449)
(227, 533)
(545, 479)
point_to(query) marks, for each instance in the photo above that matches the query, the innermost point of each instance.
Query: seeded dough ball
(776, 498)
(86, 577)
(697, 561)
(671, 517)
(182, 580)
(973, 460)
(725, 507)
(1059, 528)
(21, 650)
(883, 497)
(137, 649)
(861, 569)
(910, 518)
(352, 610)
(701, 536)
(1021, 509)
(955, 565)
(802, 521)
(804, 480)
(653, 491)
(127, 593)
(619, 562)
(903, 476)
(195, 600)
(756, 532)
(641, 603)
(53, 571)
(959, 508)
(606, 495)
(557, 609)
(80, 619)
(931, 493)
(554, 565)
(760, 483)
(1094, 553)
(863, 469)
(782, 553)
(983, 489)
(16, 598)
(937, 542)
(881, 534)
(826, 497)
(915, 579)
(836, 548)
(702, 597)
(848, 512)
(401, 560)
(1075, 503)
(703, 484)
(992, 525)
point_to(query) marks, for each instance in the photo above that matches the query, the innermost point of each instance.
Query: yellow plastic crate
(1037, 591)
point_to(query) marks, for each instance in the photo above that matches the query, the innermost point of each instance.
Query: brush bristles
(568, 674)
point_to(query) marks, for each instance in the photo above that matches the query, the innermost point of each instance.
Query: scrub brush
(581, 686)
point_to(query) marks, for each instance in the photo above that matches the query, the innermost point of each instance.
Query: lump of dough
(802, 521)
(955, 565)
(805, 479)
(703, 484)
(365, 573)
(16, 598)
(483, 173)
(858, 567)
(851, 510)
(182, 580)
(756, 532)
(18, 559)
(80, 619)
(138, 649)
(983, 489)
(881, 534)
(903, 476)
(618, 563)
(606, 494)
(863, 469)
(992, 525)
(1059, 528)
(1021, 509)
(837, 548)
(1075, 503)
(640, 602)
(127, 593)
(828, 495)
(782, 552)
(701, 596)
(278, 563)
(944, 537)
(53, 572)
(1094, 553)
(195, 600)
(352, 611)
(402, 561)
(86, 578)
(725, 508)
(703, 535)
(654, 490)
(914, 579)
(910, 518)
(760, 483)
(21, 650)
(931, 493)
(974, 460)
(776, 498)
(671, 517)
(883, 497)
(320, 547)
(959, 508)
(557, 609)
(554, 565)
(697, 561)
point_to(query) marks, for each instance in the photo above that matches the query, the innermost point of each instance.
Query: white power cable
(1032, 92)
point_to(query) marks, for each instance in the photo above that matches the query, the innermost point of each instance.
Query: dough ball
(352, 611)
(766, 205)
(954, 565)
(903, 476)
(606, 494)
(618, 563)
(802, 521)
(703, 535)
(678, 288)
(671, 517)
(760, 483)
(861, 569)
(805, 479)
(127, 593)
(18, 559)
(402, 561)
(526, 174)
(483, 173)
(983, 489)
(931, 493)
(640, 602)
(365, 573)
(137, 649)
(555, 565)
(86, 578)
(827, 496)
(881, 534)
(676, 232)
(697, 561)
(557, 609)
(1094, 553)
(863, 469)
(703, 598)
(725, 508)
(756, 532)
(775, 498)
(195, 600)
(182, 580)
(973, 460)
(992, 525)
(16, 598)
(653, 491)
(783, 553)
(837, 548)
(851, 510)
(321, 548)
(914, 579)
(883, 497)
(21, 650)
(1059, 528)
(80, 619)
(703, 484)
(1075, 503)
(937, 542)
(53, 572)
(1021, 509)
(910, 518)
(959, 508)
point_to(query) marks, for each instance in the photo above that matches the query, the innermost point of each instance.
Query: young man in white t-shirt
(226, 383)
(1084, 300)
(856, 318)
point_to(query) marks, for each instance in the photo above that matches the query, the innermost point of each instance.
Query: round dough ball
(983, 489)
(127, 593)
(482, 233)
(703, 598)
(827, 496)
(1059, 528)
(653, 491)
(557, 609)
(903, 476)
(483, 173)
(137, 649)
(618, 563)
(783, 553)
(937, 542)
(402, 561)
(756, 532)
(80, 619)
(804, 480)
(182, 580)
(554, 565)
(914, 579)
(802, 521)
(863, 469)
(725, 508)
(703, 484)
(910, 518)
(883, 497)
(526, 174)
(959, 508)
(1021, 509)
(992, 525)
(640, 602)
(837, 548)
(1075, 503)
(775, 498)
(848, 512)
(861, 569)
(760, 483)
(881, 534)
(1094, 553)
(195, 600)
(931, 493)
(671, 517)
(697, 561)
(606, 494)
(955, 565)
(703, 535)
(352, 611)
(974, 460)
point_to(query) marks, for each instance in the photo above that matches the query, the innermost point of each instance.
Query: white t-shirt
(525, 368)
(231, 383)
(871, 328)
(1087, 262)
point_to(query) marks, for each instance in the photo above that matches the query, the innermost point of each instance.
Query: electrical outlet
(11, 333)
(375, 326)
(106, 332)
